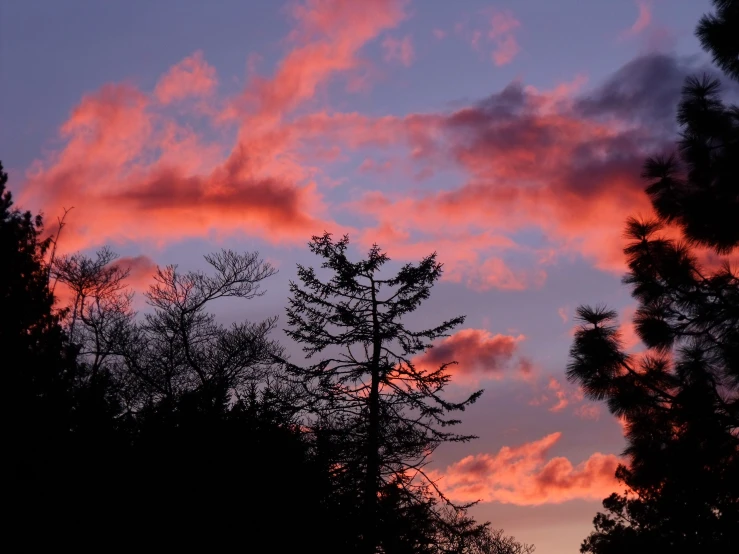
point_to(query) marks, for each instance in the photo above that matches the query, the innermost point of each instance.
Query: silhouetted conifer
(680, 400)
(386, 415)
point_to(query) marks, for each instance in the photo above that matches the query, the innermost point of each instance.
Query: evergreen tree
(386, 415)
(38, 364)
(717, 33)
(680, 400)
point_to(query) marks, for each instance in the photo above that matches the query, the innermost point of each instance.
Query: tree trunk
(373, 462)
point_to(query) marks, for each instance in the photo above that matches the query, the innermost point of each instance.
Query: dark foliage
(717, 33)
(680, 399)
(698, 189)
(170, 429)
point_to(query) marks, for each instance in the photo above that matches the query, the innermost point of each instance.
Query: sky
(506, 136)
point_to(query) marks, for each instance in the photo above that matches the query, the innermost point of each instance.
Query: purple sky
(505, 135)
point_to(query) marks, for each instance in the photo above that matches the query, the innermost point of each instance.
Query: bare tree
(100, 316)
(177, 348)
(180, 347)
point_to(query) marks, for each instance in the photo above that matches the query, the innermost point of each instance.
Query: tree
(387, 414)
(200, 425)
(679, 400)
(698, 190)
(717, 33)
(38, 363)
(180, 347)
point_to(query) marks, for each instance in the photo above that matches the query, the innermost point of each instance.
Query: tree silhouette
(180, 347)
(698, 190)
(679, 400)
(388, 415)
(38, 363)
(717, 33)
(188, 412)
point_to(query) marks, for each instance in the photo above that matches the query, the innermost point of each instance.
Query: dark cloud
(645, 90)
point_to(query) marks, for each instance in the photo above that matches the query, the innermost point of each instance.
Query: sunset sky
(507, 136)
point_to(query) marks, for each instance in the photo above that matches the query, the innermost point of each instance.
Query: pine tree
(680, 400)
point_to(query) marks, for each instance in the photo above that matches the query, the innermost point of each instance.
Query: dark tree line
(168, 426)
(680, 400)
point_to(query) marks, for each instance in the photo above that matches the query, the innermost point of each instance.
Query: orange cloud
(400, 50)
(191, 77)
(479, 355)
(523, 475)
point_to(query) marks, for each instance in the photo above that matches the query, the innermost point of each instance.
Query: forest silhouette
(172, 429)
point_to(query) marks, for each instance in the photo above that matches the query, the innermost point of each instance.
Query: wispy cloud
(643, 19)
(191, 77)
(399, 50)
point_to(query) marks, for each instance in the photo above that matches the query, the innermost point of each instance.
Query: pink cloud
(400, 50)
(327, 37)
(136, 173)
(497, 36)
(643, 19)
(588, 411)
(561, 396)
(494, 273)
(191, 77)
(141, 269)
(502, 27)
(532, 159)
(563, 313)
(525, 476)
(439, 33)
(556, 396)
(479, 355)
